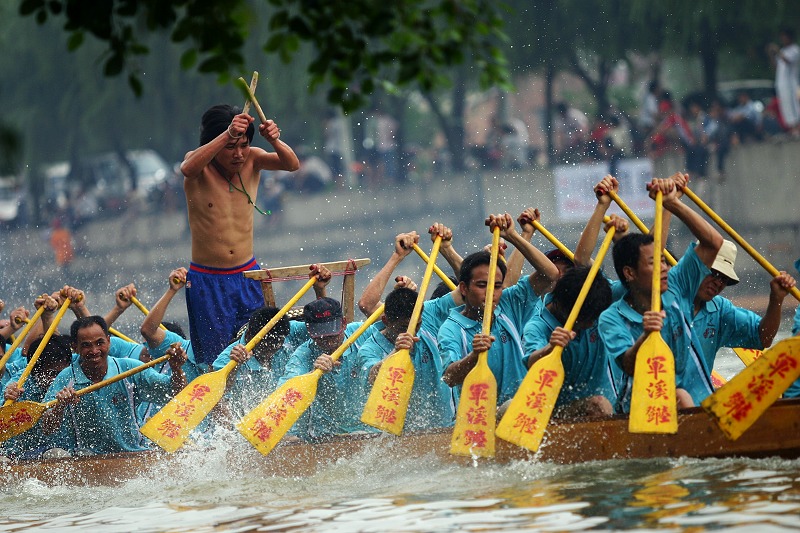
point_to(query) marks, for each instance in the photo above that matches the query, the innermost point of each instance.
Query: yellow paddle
(170, 427)
(528, 414)
(20, 337)
(42, 344)
(552, 238)
(639, 224)
(740, 402)
(748, 355)
(653, 403)
(439, 272)
(252, 97)
(738, 238)
(266, 425)
(473, 434)
(19, 417)
(135, 301)
(387, 404)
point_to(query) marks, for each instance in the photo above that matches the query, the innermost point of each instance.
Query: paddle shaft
(423, 288)
(639, 224)
(439, 272)
(554, 240)
(738, 238)
(283, 310)
(20, 337)
(42, 345)
(128, 373)
(253, 99)
(595, 268)
(144, 310)
(655, 291)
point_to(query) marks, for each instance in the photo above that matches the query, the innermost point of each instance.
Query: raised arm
(283, 158)
(779, 288)
(709, 239)
(151, 332)
(588, 239)
(516, 259)
(122, 301)
(371, 297)
(446, 249)
(196, 160)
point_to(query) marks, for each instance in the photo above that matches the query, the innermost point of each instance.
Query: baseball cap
(723, 263)
(323, 317)
(557, 255)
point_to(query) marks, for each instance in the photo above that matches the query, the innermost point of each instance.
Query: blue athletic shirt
(104, 421)
(586, 367)
(517, 304)
(620, 326)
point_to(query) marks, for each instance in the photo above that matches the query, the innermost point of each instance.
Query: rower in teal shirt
(104, 421)
(430, 404)
(794, 390)
(341, 394)
(587, 388)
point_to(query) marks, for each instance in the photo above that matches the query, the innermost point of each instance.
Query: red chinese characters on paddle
(738, 406)
(198, 392)
(169, 428)
(658, 391)
(477, 414)
(535, 402)
(274, 415)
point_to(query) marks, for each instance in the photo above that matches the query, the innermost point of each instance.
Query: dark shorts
(219, 301)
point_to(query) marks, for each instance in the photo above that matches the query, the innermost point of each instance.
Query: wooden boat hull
(776, 433)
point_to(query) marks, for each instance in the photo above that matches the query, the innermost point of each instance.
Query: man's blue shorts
(219, 301)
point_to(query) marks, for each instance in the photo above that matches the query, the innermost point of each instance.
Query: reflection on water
(370, 493)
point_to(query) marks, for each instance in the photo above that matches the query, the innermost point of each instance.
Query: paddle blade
(653, 402)
(19, 417)
(473, 434)
(171, 426)
(266, 425)
(747, 355)
(528, 414)
(738, 404)
(387, 404)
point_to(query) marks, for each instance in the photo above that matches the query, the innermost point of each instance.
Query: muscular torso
(220, 216)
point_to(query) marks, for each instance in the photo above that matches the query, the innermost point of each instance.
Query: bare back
(220, 214)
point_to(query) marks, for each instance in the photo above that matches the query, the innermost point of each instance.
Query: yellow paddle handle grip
(553, 240)
(655, 289)
(439, 272)
(18, 340)
(423, 288)
(488, 309)
(135, 301)
(638, 223)
(738, 238)
(121, 335)
(43, 343)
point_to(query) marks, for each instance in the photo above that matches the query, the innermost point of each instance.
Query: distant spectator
(334, 145)
(61, 242)
(571, 129)
(702, 128)
(771, 120)
(786, 60)
(648, 113)
(671, 131)
(514, 144)
(745, 118)
(720, 139)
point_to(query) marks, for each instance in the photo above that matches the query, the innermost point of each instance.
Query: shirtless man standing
(221, 182)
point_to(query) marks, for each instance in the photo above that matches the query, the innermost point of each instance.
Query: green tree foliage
(354, 43)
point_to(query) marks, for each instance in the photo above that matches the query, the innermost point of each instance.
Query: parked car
(149, 167)
(13, 204)
(760, 91)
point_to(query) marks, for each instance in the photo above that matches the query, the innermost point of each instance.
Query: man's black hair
(217, 119)
(259, 319)
(85, 322)
(57, 350)
(567, 288)
(476, 259)
(400, 303)
(626, 253)
(176, 328)
(442, 288)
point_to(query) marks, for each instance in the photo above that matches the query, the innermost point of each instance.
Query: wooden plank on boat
(776, 433)
(299, 270)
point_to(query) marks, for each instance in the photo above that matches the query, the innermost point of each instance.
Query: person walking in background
(61, 242)
(786, 59)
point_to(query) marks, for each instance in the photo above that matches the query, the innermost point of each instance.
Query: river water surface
(369, 493)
